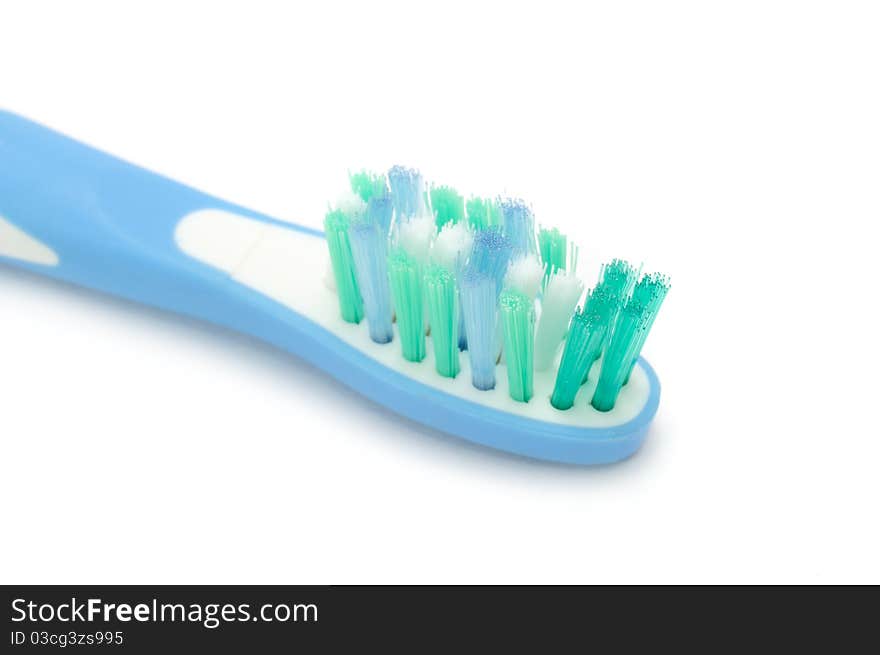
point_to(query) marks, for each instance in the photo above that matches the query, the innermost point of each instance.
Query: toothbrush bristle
(552, 244)
(490, 254)
(415, 235)
(336, 225)
(483, 213)
(368, 185)
(407, 191)
(603, 304)
(556, 252)
(650, 291)
(441, 295)
(479, 304)
(560, 299)
(405, 274)
(519, 225)
(525, 274)
(480, 276)
(452, 246)
(448, 205)
(350, 204)
(517, 312)
(581, 348)
(618, 278)
(369, 249)
(451, 249)
(631, 328)
(379, 211)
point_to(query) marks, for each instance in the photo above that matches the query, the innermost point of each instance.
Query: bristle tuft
(491, 254)
(618, 278)
(415, 235)
(616, 282)
(650, 291)
(630, 332)
(441, 295)
(556, 252)
(483, 213)
(619, 355)
(583, 342)
(369, 246)
(517, 313)
(336, 229)
(379, 211)
(452, 246)
(448, 205)
(525, 274)
(451, 249)
(405, 275)
(368, 185)
(553, 248)
(560, 299)
(519, 226)
(407, 191)
(479, 305)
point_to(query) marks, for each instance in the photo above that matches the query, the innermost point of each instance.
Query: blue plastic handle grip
(112, 225)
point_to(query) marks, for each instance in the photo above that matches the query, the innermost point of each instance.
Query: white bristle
(351, 204)
(561, 297)
(525, 275)
(452, 246)
(415, 236)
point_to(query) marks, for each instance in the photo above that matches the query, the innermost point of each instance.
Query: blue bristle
(407, 191)
(462, 334)
(369, 249)
(491, 255)
(519, 226)
(480, 309)
(379, 210)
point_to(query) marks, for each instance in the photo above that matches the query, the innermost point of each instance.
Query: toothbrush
(571, 386)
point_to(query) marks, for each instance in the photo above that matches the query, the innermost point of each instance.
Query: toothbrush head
(477, 289)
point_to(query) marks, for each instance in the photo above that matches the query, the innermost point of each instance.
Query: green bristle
(483, 213)
(556, 252)
(405, 276)
(603, 304)
(618, 277)
(518, 321)
(441, 294)
(448, 205)
(620, 354)
(584, 340)
(368, 185)
(336, 229)
(650, 291)
(616, 280)
(552, 244)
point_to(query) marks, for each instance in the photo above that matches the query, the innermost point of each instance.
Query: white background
(733, 145)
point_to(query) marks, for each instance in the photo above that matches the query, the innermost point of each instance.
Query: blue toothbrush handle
(110, 223)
